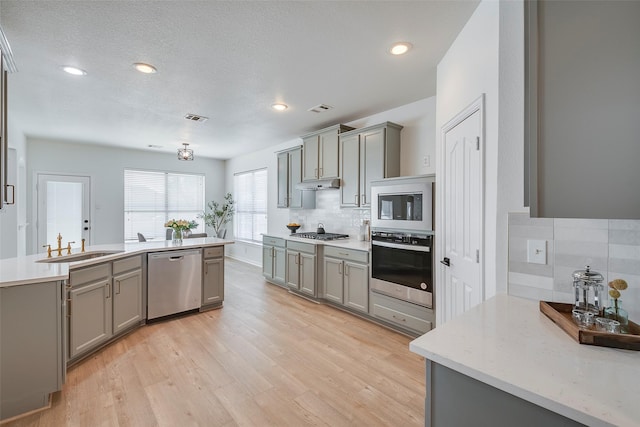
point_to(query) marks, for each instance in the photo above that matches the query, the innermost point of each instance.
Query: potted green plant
(219, 215)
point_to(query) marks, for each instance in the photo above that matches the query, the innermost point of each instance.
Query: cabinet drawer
(407, 315)
(214, 252)
(90, 274)
(309, 248)
(273, 241)
(347, 254)
(131, 263)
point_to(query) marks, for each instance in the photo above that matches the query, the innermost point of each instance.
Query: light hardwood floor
(266, 358)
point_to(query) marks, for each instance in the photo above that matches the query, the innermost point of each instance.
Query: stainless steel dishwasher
(174, 282)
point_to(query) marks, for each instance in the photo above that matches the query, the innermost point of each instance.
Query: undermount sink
(79, 257)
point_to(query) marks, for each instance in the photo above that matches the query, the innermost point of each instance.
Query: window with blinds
(250, 190)
(153, 198)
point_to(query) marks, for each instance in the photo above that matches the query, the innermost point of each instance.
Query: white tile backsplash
(611, 247)
(329, 213)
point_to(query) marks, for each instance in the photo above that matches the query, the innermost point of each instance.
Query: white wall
(417, 141)
(469, 69)
(105, 166)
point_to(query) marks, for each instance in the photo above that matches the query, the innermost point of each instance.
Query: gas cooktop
(321, 236)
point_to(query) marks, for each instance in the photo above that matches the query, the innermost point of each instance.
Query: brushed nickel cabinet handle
(108, 290)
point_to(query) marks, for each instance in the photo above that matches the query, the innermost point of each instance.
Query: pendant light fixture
(185, 153)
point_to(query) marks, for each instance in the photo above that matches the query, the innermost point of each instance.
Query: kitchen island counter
(509, 345)
(30, 269)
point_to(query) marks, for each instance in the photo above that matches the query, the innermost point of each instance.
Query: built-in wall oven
(402, 266)
(402, 238)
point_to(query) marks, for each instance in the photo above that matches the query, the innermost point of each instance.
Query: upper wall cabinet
(320, 153)
(290, 174)
(582, 141)
(7, 191)
(367, 155)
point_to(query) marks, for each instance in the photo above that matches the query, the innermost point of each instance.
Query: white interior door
(63, 208)
(463, 286)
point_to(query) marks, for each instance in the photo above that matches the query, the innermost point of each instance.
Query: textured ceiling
(228, 61)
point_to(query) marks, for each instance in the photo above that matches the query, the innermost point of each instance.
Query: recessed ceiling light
(279, 107)
(145, 68)
(74, 70)
(400, 48)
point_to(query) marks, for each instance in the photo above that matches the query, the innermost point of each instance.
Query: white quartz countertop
(27, 269)
(342, 243)
(508, 343)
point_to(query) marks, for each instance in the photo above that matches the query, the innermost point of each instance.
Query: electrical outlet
(537, 251)
(426, 161)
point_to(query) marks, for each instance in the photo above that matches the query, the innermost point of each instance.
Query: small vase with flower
(615, 310)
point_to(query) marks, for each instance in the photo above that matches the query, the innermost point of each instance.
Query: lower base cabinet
(104, 300)
(32, 363)
(213, 276)
(346, 277)
(274, 256)
(301, 267)
(408, 316)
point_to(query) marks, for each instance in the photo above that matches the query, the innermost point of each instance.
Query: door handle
(446, 261)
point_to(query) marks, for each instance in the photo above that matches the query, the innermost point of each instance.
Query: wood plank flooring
(266, 358)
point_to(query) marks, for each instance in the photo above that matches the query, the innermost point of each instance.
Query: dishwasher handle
(176, 258)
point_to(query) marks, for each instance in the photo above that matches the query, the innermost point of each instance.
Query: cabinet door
(32, 363)
(213, 281)
(310, 158)
(127, 300)
(371, 163)
(307, 273)
(333, 288)
(91, 316)
(283, 180)
(329, 155)
(295, 177)
(293, 269)
(267, 261)
(350, 171)
(356, 286)
(279, 265)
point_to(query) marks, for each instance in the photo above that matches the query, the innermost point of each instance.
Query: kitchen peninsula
(56, 311)
(505, 363)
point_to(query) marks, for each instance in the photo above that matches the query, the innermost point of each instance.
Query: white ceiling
(228, 61)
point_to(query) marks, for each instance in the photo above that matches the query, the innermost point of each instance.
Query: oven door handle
(401, 246)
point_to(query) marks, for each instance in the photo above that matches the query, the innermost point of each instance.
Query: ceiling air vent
(320, 108)
(196, 118)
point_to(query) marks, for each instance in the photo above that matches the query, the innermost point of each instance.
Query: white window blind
(250, 190)
(153, 198)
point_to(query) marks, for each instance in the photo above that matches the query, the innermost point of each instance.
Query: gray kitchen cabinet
(411, 317)
(289, 175)
(274, 260)
(346, 277)
(321, 153)
(127, 293)
(105, 300)
(213, 276)
(581, 102)
(90, 308)
(301, 267)
(32, 362)
(367, 155)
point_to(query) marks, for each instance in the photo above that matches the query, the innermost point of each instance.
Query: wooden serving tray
(560, 314)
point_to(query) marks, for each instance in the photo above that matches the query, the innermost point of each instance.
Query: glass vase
(616, 312)
(176, 237)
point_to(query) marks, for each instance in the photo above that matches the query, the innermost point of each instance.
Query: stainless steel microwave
(404, 203)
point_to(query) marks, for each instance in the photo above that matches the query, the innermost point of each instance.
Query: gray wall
(106, 167)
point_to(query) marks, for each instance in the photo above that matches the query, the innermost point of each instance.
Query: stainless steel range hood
(322, 184)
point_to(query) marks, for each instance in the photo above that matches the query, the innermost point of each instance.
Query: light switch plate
(537, 251)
